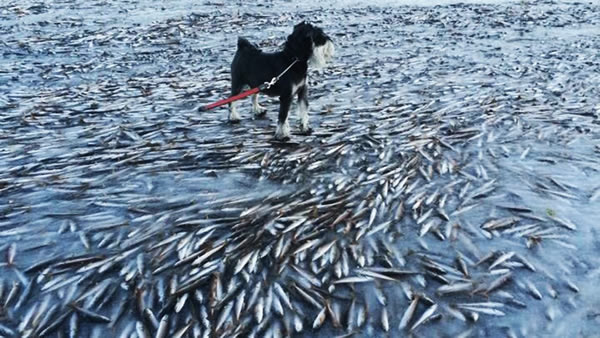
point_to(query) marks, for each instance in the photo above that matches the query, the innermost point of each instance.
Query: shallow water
(104, 157)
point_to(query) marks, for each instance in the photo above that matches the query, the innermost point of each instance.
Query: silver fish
(163, 327)
(426, 315)
(320, 319)
(385, 323)
(408, 313)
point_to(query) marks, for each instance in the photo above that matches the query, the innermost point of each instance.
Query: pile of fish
(451, 186)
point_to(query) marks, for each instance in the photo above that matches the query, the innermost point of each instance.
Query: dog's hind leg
(234, 116)
(283, 128)
(257, 109)
(303, 110)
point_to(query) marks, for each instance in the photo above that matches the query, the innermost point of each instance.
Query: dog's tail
(244, 44)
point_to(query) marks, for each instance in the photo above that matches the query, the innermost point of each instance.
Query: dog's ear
(303, 33)
(307, 38)
(300, 42)
(305, 30)
(300, 25)
(303, 26)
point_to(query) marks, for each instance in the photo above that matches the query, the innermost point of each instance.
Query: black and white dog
(306, 45)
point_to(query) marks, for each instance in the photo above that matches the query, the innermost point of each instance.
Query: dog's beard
(322, 54)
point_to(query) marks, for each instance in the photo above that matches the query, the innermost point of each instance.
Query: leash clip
(269, 84)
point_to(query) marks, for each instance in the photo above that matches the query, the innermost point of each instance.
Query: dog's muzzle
(322, 54)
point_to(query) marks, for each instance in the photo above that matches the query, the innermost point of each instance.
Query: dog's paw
(282, 138)
(283, 131)
(306, 130)
(260, 114)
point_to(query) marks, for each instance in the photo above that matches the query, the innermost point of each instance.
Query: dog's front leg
(283, 128)
(303, 110)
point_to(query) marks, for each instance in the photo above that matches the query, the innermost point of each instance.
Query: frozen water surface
(451, 187)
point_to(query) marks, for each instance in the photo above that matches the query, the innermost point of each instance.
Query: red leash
(230, 99)
(242, 95)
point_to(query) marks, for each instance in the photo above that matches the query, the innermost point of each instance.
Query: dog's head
(310, 43)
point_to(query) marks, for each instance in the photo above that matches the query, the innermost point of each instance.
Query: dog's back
(245, 51)
(244, 57)
(243, 45)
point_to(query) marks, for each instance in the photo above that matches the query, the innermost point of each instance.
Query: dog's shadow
(284, 144)
(260, 129)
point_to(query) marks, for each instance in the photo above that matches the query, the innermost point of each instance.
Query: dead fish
(481, 304)
(307, 245)
(341, 218)
(310, 299)
(320, 319)
(433, 223)
(24, 296)
(409, 312)
(372, 217)
(424, 216)
(149, 315)
(456, 313)
(84, 240)
(374, 274)
(462, 266)
(500, 223)
(283, 295)
(295, 225)
(381, 298)
(564, 222)
(12, 294)
(74, 326)
(181, 302)
(141, 330)
(208, 254)
(399, 211)
(95, 317)
(181, 332)
(239, 304)
(140, 263)
(572, 285)
(54, 325)
(259, 310)
(276, 304)
(485, 258)
(11, 252)
(323, 249)
(456, 287)
(298, 326)
(498, 282)
(242, 262)
(307, 275)
(224, 316)
(334, 313)
(385, 323)
(484, 310)
(533, 290)
(526, 263)
(6, 331)
(361, 315)
(426, 315)
(163, 327)
(503, 258)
